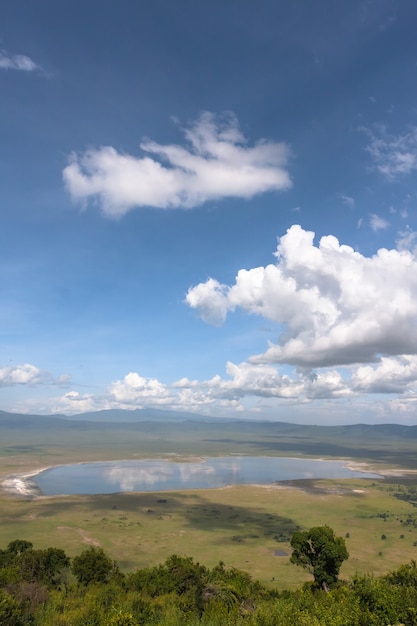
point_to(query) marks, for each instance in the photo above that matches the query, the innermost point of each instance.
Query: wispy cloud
(18, 62)
(215, 162)
(407, 240)
(347, 200)
(377, 222)
(393, 155)
(386, 25)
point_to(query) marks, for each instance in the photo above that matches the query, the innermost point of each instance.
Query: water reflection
(127, 478)
(159, 475)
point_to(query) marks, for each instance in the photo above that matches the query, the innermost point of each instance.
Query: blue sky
(209, 206)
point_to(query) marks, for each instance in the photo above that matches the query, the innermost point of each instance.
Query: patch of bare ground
(85, 537)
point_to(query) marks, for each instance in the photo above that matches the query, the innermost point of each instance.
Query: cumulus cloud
(25, 374)
(391, 375)
(243, 380)
(135, 389)
(334, 305)
(211, 298)
(216, 162)
(139, 392)
(74, 402)
(393, 155)
(28, 374)
(247, 382)
(18, 62)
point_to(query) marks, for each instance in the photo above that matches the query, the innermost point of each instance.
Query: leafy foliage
(92, 566)
(320, 552)
(11, 613)
(181, 592)
(42, 565)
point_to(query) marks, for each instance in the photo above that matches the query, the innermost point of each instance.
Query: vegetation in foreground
(46, 588)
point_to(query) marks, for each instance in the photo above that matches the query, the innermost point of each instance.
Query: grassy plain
(242, 526)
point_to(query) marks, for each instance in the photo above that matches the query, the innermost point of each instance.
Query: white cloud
(74, 402)
(136, 390)
(391, 375)
(393, 155)
(211, 299)
(377, 222)
(139, 392)
(394, 375)
(18, 62)
(243, 380)
(28, 374)
(246, 382)
(335, 306)
(216, 163)
(25, 374)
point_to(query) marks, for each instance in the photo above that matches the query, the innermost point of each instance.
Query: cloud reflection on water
(131, 478)
(163, 475)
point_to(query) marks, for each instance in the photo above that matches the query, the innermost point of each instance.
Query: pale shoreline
(368, 467)
(23, 485)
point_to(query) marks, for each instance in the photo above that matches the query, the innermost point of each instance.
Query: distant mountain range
(142, 415)
(120, 417)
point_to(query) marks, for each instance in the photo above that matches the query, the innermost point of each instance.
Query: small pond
(163, 475)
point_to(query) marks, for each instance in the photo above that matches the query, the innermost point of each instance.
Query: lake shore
(385, 472)
(23, 484)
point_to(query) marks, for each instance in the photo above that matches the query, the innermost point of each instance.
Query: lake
(162, 475)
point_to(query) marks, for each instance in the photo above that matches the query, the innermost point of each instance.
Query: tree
(45, 566)
(405, 575)
(319, 552)
(92, 566)
(18, 546)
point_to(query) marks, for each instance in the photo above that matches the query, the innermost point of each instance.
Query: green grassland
(242, 526)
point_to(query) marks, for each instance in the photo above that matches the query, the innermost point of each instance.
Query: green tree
(405, 575)
(320, 552)
(92, 566)
(45, 566)
(18, 546)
